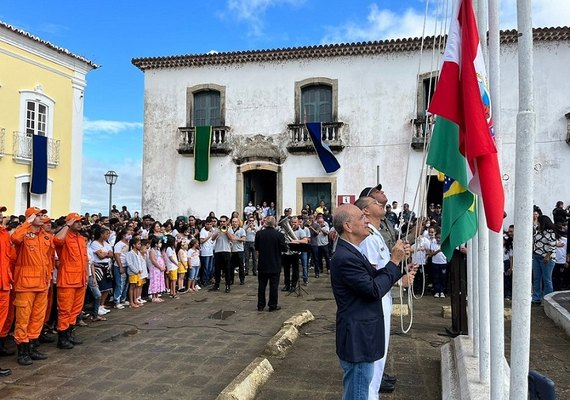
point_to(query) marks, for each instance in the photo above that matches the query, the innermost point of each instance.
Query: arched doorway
(259, 185)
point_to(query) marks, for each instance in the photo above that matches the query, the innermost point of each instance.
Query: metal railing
(187, 138)
(422, 131)
(22, 149)
(331, 134)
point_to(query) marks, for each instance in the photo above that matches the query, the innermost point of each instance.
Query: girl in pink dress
(156, 269)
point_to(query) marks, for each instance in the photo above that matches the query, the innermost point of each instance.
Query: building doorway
(259, 186)
(434, 191)
(314, 192)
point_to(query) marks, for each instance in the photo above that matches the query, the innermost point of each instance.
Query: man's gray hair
(362, 202)
(340, 217)
(270, 221)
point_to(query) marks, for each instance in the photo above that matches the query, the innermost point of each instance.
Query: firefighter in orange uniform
(45, 337)
(6, 262)
(71, 248)
(31, 279)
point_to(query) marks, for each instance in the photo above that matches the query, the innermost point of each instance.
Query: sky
(111, 33)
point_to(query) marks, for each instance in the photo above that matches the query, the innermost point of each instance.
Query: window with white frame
(37, 110)
(25, 199)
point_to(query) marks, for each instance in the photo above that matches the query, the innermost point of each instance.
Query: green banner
(202, 141)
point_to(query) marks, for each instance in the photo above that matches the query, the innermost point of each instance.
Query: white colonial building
(371, 101)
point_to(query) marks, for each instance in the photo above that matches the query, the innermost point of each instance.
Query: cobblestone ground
(177, 350)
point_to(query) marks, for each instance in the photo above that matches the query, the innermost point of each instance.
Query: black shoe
(388, 378)
(260, 308)
(45, 338)
(293, 288)
(242, 282)
(276, 308)
(5, 372)
(63, 341)
(3, 350)
(71, 336)
(246, 273)
(183, 290)
(387, 387)
(35, 354)
(24, 354)
(214, 288)
(286, 288)
(254, 273)
(228, 288)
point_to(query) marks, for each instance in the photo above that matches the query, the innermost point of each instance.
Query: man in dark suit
(269, 243)
(358, 289)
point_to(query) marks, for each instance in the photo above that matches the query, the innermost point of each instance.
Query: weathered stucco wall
(376, 101)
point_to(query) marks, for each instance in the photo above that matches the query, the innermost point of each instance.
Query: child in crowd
(144, 273)
(156, 269)
(194, 264)
(171, 262)
(135, 262)
(182, 252)
(439, 267)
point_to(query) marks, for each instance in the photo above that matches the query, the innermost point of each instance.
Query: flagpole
(474, 295)
(470, 289)
(496, 268)
(483, 270)
(524, 193)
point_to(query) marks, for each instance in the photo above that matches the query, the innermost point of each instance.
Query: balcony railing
(22, 151)
(2, 141)
(219, 143)
(300, 140)
(422, 132)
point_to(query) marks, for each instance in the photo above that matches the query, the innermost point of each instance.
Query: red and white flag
(462, 96)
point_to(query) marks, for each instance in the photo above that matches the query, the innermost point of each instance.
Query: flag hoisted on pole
(461, 96)
(325, 154)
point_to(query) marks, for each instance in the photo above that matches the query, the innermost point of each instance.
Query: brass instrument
(285, 226)
(223, 228)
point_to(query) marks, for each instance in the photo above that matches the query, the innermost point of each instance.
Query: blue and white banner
(328, 160)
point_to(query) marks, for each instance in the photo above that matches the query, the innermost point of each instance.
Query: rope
(442, 14)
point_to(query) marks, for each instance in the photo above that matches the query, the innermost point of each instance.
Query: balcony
(300, 140)
(219, 143)
(2, 141)
(422, 132)
(22, 151)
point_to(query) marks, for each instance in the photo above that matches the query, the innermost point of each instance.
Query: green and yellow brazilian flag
(458, 219)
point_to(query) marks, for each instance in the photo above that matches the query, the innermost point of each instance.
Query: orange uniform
(31, 280)
(7, 258)
(71, 278)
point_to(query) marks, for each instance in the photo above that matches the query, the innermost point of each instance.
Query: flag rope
(441, 20)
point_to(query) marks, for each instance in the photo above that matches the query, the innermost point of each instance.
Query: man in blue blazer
(358, 289)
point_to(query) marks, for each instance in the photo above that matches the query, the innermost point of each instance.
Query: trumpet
(223, 228)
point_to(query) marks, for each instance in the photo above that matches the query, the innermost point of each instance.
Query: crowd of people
(57, 273)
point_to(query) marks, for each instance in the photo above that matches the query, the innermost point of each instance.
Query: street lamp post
(111, 179)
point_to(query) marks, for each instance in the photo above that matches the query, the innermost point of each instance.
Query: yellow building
(41, 93)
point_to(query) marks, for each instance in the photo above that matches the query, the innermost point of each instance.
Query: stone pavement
(175, 350)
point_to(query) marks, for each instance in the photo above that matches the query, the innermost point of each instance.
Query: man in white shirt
(207, 251)
(237, 237)
(249, 209)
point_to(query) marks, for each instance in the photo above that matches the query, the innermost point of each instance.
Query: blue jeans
(96, 295)
(305, 264)
(208, 265)
(439, 272)
(192, 274)
(120, 290)
(316, 262)
(541, 277)
(356, 379)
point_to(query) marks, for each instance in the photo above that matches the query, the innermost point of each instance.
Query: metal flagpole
(470, 289)
(474, 295)
(496, 269)
(524, 193)
(483, 270)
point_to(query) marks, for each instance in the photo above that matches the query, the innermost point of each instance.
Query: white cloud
(95, 191)
(383, 23)
(110, 127)
(252, 12)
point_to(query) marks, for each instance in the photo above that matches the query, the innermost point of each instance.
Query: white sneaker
(197, 287)
(119, 306)
(436, 295)
(442, 295)
(126, 303)
(101, 311)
